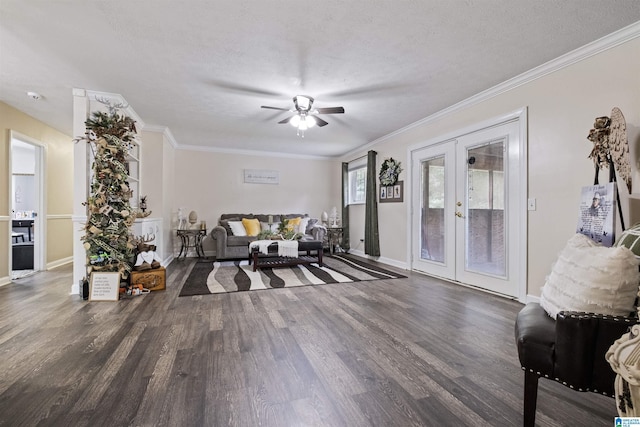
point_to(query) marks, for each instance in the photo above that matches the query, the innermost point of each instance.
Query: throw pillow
(252, 226)
(591, 278)
(630, 238)
(237, 229)
(225, 224)
(302, 226)
(293, 224)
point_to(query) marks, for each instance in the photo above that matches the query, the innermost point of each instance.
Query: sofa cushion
(591, 278)
(251, 226)
(237, 229)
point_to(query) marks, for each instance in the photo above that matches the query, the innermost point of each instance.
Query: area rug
(235, 276)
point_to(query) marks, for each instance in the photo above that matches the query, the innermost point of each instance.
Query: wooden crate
(154, 280)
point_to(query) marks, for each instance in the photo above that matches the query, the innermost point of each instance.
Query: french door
(468, 210)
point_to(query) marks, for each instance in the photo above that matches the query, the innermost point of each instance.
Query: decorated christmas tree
(107, 240)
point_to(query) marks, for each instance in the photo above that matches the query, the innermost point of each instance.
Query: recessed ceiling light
(34, 95)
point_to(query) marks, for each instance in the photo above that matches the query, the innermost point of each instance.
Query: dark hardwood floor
(415, 351)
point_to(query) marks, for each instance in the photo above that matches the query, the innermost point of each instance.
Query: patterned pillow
(630, 238)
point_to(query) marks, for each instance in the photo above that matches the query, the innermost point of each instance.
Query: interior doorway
(469, 207)
(26, 254)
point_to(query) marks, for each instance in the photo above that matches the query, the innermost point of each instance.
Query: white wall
(212, 183)
(561, 111)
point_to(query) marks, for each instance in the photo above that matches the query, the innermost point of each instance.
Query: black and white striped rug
(234, 276)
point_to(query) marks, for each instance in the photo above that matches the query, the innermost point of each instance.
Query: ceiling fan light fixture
(309, 121)
(295, 121)
(303, 102)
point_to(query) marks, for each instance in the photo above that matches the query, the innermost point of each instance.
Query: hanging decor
(611, 150)
(389, 172)
(107, 240)
(611, 147)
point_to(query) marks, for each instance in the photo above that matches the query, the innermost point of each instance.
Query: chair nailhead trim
(569, 385)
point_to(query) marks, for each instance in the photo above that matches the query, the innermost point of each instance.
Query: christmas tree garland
(107, 240)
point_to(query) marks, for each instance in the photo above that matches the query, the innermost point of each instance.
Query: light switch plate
(531, 204)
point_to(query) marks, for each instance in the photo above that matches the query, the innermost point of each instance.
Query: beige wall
(168, 193)
(58, 185)
(561, 110)
(157, 173)
(213, 183)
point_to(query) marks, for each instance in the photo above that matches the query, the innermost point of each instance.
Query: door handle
(459, 214)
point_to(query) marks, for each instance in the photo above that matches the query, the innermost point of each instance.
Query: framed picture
(392, 193)
(597, 213)
(261, 176)
(104, 286)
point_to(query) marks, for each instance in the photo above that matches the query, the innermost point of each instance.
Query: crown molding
(607, 42)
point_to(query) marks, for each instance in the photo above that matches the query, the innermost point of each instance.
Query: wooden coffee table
(272, 260)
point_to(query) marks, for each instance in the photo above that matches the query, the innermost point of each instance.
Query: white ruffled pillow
(591, 278)
(237, 228)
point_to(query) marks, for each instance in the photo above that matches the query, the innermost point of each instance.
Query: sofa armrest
(219, 234)
(582, 339)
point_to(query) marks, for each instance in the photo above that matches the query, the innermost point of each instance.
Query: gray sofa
(229, 246)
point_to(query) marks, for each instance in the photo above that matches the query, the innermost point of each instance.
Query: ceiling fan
(305, 115)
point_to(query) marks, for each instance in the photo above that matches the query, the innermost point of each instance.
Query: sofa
(230, 246)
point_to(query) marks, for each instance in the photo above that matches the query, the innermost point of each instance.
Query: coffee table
(272, 260)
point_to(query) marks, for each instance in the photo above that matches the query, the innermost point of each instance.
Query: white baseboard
(168, 260)
(5, 280)
(532, 298)
(60, 262)
(383, 260)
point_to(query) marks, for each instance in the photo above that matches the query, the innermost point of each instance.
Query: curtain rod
(357, 158)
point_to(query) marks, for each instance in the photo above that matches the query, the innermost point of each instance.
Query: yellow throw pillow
(293, 223)
(252, 226)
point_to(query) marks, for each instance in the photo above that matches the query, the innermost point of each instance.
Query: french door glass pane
(432, 210)
(485, 220)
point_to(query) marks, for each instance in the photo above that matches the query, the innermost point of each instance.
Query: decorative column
(80, 179)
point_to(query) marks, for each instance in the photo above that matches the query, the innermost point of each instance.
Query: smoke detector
(34, 95)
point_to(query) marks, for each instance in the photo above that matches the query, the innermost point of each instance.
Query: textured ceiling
(204, 68)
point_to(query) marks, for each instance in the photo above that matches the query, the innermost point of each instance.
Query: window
(357, 182)
(486, 189)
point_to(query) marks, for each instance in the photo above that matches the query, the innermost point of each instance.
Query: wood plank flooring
(404, 352)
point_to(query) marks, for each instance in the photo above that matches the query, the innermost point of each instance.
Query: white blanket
(286, 248)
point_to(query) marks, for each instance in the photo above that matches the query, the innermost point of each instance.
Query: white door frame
(40, 221)
(521, 116)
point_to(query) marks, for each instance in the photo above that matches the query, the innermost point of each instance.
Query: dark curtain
(371, 236)
(345, 207)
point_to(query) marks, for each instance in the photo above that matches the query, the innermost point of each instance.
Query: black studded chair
(569, 350)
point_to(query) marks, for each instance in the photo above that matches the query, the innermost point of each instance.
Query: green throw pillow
(630, 238)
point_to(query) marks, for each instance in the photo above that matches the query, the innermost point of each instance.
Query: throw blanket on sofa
(286, 248)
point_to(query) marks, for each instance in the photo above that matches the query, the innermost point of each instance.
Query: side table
(334, 235)
(191, 238)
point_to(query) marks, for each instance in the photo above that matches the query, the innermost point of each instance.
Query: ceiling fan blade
(287, 120)
(274, 108)
(330, 110)
(319, 121)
